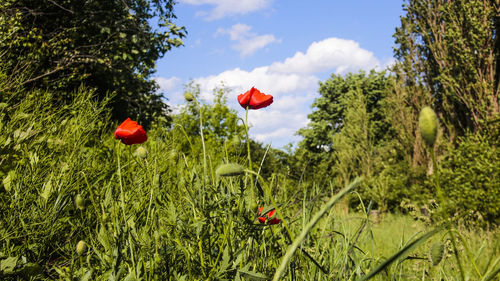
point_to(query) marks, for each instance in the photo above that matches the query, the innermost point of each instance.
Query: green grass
(169, 216)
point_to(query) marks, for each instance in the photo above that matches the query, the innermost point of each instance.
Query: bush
(469, 176)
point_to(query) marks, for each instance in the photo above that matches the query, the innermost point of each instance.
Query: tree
(220, 123)
(451, 48)
(109, 46)
(350, 96)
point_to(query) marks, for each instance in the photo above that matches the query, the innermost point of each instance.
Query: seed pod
(188, 96)
(79, 202)
(428, 124)
(230, 169)
(81, 247)
(141, 152)
(436, 253)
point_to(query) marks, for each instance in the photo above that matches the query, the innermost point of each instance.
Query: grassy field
(77, 204)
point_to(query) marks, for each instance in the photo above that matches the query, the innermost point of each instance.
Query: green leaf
(47, 190)
(7, 181)
(251, 275)
(7, 265)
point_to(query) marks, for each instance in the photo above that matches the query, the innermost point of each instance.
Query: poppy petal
(254, 99)
(274, 221)
(259, 100)
(244, 99)
(271, 213)
(129, 132)
(260, 210)
(262, 219)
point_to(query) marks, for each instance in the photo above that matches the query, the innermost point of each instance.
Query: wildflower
(254, 99)
(129, 132)
(262, 219)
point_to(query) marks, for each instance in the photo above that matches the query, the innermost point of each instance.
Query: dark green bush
(469, 175)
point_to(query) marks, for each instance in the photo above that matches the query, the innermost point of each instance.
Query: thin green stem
(202, 142)
(444, 212)
(122, 196)
(152, 181)
(248, 154)
(275, 205)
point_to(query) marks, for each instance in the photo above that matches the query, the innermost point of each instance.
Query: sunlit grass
(78, 204)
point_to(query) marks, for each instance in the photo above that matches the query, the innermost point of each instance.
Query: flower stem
(248, 155)
(444, 211)
(202, 142)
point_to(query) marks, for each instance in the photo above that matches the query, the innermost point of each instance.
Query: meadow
(78, 204)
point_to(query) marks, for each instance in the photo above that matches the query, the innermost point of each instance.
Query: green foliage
(220, 123)
(109, 46)
(469, 175)
(159, 217)
(349, 135)
(451, 48)
(328, 118)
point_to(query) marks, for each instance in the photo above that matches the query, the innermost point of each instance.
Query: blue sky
(282, 47)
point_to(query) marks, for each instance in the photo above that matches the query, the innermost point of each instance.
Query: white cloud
(260, 77)
(332, 53)
(168, 84)
(224, 8)
(292, 82)
(293, 94)
(247, 42)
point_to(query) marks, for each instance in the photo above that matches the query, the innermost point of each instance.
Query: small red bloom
(129, 132)
(262, 219)
(274, 221)
(254, 99)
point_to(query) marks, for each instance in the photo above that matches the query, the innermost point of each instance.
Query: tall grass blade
(492, 275)
(401, 253)
(291, 250)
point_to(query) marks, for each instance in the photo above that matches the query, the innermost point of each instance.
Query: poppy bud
(235, 141)
(79, 202)
(436, 253)
(81, 247)
(188, 97)
(158, 260)
(141, 152)
(428, 124)
(231, 169)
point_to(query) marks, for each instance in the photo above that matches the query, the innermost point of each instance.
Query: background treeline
(110, 47)
(365, 123)
(70, 71)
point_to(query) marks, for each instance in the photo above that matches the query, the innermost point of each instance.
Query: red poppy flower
(262, 219)
(254, 99)
(274, 221)
(129, 132)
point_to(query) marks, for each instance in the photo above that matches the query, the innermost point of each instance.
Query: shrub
(469, 176)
